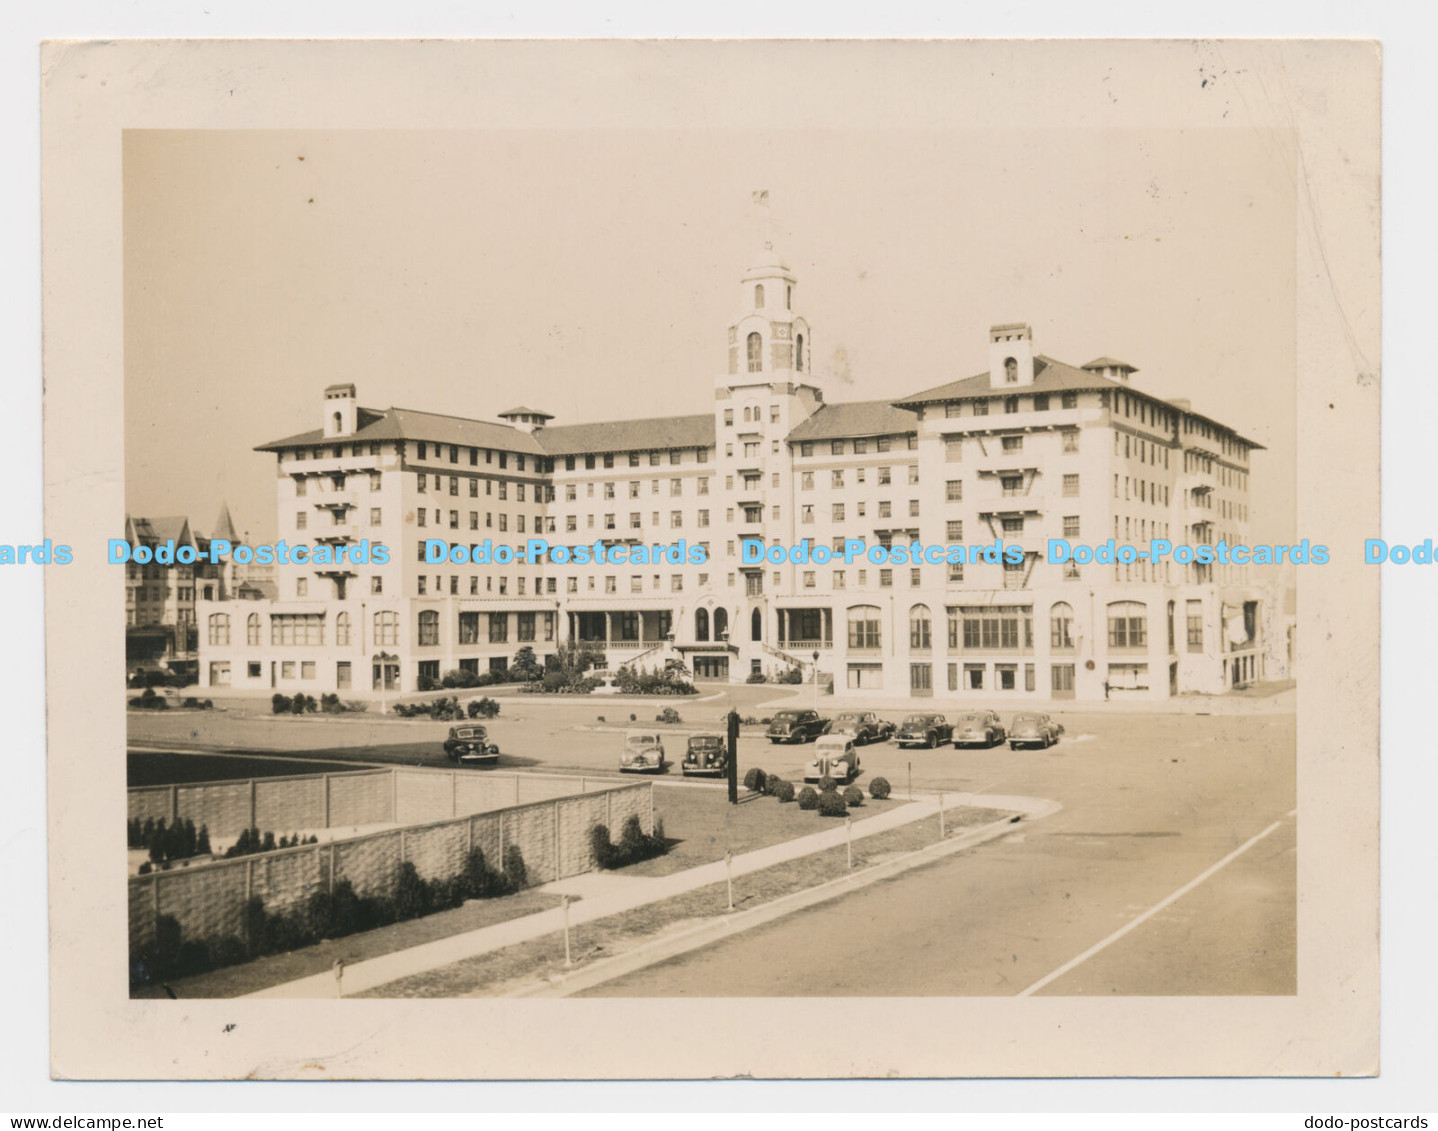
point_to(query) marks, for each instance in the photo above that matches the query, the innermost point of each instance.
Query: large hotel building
(1030, 449)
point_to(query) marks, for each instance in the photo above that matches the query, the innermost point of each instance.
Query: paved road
(1147, 810)
(1150, 802)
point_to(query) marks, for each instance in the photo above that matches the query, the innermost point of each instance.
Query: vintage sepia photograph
(678, 561)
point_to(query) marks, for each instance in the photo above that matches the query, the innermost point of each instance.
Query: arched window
(721, 623)
(755, 348)
(252, 629)
(799, 353)
(386, 628)
(1061, 627)
(864, 627)
(1011, 371)
(428, 627)
(756, 626)
(336, 418)
(788, 298)
(701, 624)
(342, 628)
(921, 627)
(1128, 624)
(758, 296)
(219, 628)
(746, 414)
(1170, 626)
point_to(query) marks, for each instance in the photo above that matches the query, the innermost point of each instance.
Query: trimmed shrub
(790, 675)
(784, 790)
(425, 683)
(754, 780)
(634, 844)
(879, 789)
(827, 784)
(668, 715)
(516, 875)
(831, 804)
(459, 677)
(853, 797)
(756, 677)
(808, 798)
(411, 894)
(485, 708)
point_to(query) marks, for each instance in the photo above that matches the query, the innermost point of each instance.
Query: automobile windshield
(641, 740)
(849, 719)
(785, 716)
(1026, 720)
(469, 732)
(916, 720)
(972, 720)
(705, 740)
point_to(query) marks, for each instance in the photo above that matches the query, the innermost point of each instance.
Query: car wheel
(933, 740)
(1013, 745)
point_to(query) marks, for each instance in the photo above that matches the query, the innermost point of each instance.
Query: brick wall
(553, 835)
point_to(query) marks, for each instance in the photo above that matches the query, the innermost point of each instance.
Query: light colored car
(834, 757)
(643, 752)
(1033, 730)
(979, 728)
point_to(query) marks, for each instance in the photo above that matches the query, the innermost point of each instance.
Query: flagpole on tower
(760, 199)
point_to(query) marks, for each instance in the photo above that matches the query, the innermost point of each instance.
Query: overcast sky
(593, 274)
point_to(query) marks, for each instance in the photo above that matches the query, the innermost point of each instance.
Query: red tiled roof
(854, 418)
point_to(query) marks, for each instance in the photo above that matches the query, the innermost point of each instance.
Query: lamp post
(816, 679)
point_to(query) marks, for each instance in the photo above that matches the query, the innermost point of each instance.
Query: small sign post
(564, 904)
(729, 874)
(849, 842)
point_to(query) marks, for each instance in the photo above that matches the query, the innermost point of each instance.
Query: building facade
(160, 599)
(1029, 450)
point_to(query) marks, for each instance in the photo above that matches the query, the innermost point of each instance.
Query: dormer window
(1011, 371)
(759, 296)
(337, 422)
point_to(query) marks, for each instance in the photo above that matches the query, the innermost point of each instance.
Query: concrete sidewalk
(633, 892)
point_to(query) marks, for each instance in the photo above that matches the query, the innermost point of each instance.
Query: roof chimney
(1011, 355)
(526, 419)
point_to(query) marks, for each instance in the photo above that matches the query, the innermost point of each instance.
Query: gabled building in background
(160, 599)
(1030, 449)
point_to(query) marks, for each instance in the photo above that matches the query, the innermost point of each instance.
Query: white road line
(1149, 914)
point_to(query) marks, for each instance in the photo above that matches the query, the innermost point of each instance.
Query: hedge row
(634, 844)
(328, 915)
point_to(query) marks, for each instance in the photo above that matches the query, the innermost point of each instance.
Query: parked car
(834, 757)
(862, 726)
(1033, 730)
(469, 745)
(979, 728)
(705, 754)
(796, 726)
(925, 730)
(643, 752)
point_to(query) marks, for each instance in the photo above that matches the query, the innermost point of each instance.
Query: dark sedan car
(924, 730)
(796, 726)
(470, 746)
(979, 728)
(1033, 730)
(863, 727)
(705, 754)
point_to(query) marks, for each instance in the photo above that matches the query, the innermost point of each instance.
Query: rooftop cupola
(1011, 355)
(340, 410)
(526, 419)
(1108, 367)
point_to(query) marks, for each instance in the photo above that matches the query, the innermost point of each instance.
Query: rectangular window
(953, 451)
(499, 628)
(954, 530)
(1012, 443)
(1071, 526)
(836, 512)
(1195, 626)
(921, 678)
(1071, 486)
